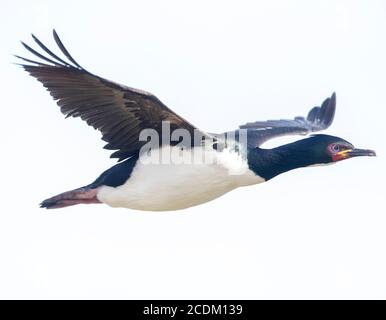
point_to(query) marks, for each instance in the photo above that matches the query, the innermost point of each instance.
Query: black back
(116, 175)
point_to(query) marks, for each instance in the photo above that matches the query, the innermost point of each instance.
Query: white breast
(182, 182)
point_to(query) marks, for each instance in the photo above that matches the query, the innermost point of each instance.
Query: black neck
(268, 163)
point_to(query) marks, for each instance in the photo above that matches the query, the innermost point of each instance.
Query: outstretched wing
(119, 112)
(319, 118)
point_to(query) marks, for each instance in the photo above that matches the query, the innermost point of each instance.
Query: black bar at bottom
(191, 309)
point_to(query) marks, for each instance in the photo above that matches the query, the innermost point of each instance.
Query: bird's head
(317, 149)
(329, 149)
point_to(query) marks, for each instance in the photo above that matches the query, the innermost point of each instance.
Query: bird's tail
(69, 198)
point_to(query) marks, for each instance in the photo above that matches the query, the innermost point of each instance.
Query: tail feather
(83, 195)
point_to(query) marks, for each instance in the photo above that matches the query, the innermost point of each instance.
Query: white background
(310, 233)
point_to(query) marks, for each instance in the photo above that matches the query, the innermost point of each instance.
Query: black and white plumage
(121, 113)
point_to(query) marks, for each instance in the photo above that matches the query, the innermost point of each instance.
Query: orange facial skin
(345, 154)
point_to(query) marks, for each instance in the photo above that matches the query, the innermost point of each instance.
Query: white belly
(172, 186)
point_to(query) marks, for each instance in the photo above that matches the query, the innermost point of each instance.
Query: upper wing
(319, 118)
(119, 112)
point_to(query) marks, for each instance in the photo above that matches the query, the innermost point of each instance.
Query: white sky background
(310, 233)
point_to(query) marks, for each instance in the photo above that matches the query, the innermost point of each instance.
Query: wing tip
(322, 117)
(49, 56)
(330, 110)
(333, 100)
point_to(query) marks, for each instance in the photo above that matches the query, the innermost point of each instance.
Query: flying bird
(198, 166)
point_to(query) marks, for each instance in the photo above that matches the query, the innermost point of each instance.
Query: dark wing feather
(318, 118)
(119, 112)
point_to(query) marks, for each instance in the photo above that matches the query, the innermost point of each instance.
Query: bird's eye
(336, 148)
